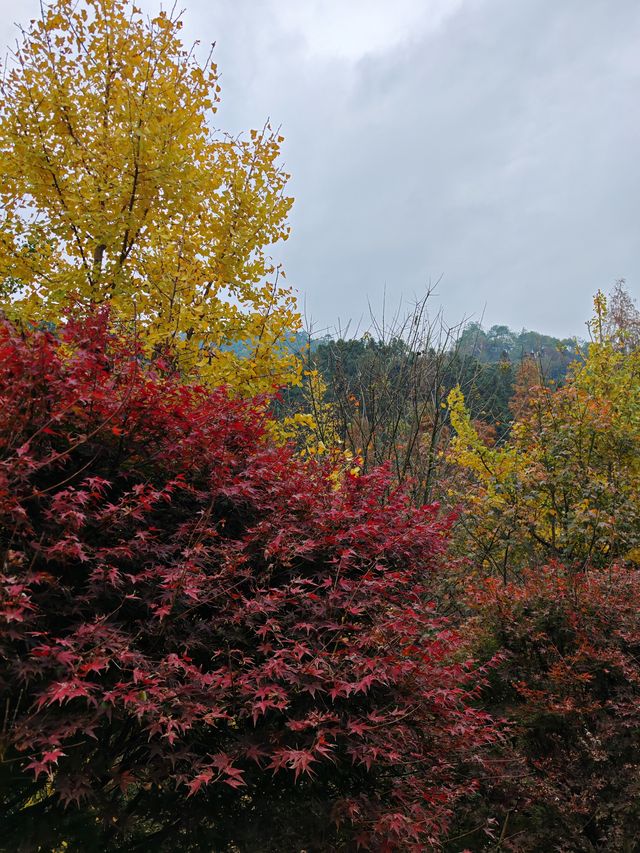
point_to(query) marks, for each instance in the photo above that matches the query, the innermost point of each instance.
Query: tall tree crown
(117, 189)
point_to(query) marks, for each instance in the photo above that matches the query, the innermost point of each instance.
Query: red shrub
(570, 682)
(203, 642)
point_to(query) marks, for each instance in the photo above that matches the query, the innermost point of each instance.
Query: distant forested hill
(401, 370)
(500, 343)
(485, 363)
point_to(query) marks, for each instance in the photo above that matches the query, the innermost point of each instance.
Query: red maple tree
(203, 641)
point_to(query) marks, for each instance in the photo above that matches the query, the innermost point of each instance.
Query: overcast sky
(495, 143)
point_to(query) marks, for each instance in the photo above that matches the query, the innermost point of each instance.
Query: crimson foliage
(570, 684)
(204, 644)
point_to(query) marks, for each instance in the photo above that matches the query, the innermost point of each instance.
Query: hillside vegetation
(375, 593)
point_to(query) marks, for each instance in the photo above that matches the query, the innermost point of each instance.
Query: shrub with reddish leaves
(204, 644)
(570, 684)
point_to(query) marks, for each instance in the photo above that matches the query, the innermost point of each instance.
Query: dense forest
(260, 592)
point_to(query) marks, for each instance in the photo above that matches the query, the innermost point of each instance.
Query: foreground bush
(204, 643)
(570, 684)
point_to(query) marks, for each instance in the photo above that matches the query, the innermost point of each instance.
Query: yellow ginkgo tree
(116, 189)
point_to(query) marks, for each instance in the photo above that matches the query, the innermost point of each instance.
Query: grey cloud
(499, 151)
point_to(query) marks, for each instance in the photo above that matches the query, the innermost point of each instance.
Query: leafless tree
(623, 318)
(387, 393)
